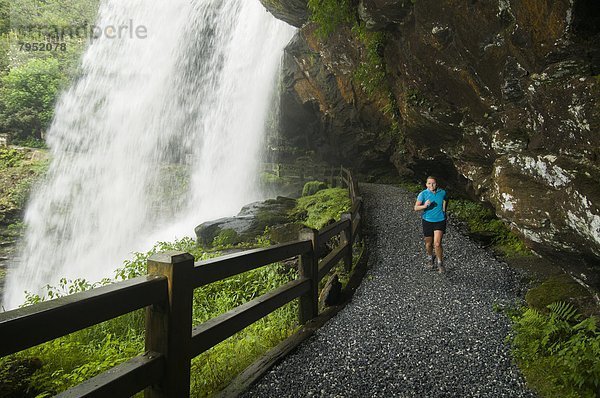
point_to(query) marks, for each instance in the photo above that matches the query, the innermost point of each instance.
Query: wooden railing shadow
(166, 293)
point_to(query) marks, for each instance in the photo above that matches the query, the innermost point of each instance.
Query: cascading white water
(190, 100)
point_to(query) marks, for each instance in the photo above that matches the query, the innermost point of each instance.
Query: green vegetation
(370, 74)
(312, 187)
(19, 169)
(27, 96)
(226, 237)
(482, 221)
(40, 46)
(318, 210)
(67, 361)
(329, 15)
(411, 186)
(557, 350)
(557, 288)
(55, 366)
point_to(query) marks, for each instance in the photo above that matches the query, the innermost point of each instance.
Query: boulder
(249, 223)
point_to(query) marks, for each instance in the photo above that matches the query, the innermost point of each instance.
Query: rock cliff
(499, 98)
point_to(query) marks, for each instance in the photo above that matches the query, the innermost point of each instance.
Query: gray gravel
(409, 332)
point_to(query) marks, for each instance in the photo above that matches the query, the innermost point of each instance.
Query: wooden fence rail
(304, 172)
(166, 293)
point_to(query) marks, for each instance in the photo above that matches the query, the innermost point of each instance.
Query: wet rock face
(498, 97)
(294, 12)
(321, 110)
(379, 14)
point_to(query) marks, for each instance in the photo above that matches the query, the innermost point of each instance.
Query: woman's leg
(437, 245)
(429, 245)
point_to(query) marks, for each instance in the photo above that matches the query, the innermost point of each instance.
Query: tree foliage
(30, 81)
(27, 97)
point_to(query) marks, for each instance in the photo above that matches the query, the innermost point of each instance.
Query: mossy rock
(250, 222)
(226, 237)
(558, 288)
(285, 233)
(312, 187)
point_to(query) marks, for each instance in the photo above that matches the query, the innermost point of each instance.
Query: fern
(563, 311)
(558, 353)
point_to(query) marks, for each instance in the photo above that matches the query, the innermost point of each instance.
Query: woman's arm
(419, 206)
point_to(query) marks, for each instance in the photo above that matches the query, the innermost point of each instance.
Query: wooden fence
(304, 173)
(166, 293)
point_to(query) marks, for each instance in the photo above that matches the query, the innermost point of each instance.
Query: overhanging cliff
(498, 97)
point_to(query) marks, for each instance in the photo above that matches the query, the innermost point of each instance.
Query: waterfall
(162, 130)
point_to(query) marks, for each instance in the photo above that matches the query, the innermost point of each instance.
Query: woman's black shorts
(429, 227)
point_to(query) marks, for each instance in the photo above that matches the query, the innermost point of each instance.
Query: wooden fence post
(309, 268)
(346, 239)
(359, 234)
(169, 326)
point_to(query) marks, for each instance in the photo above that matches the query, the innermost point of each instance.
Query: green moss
(481, 220)
(267, 218)
(226, 237)
(329, 15)
(312, 187)
(268, 178)
(315, 211)
(556, 288)
(370, 74)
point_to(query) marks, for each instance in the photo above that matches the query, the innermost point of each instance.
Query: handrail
(29, 326)
(123, 380)
(215, 330)
(215, 269)
(331, 230)
(171, 342)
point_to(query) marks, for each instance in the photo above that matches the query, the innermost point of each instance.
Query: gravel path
(409, 332)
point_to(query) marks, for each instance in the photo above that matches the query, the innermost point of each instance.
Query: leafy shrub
(27, 96)
(558, 351)
(10, 157)
(312, 187)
